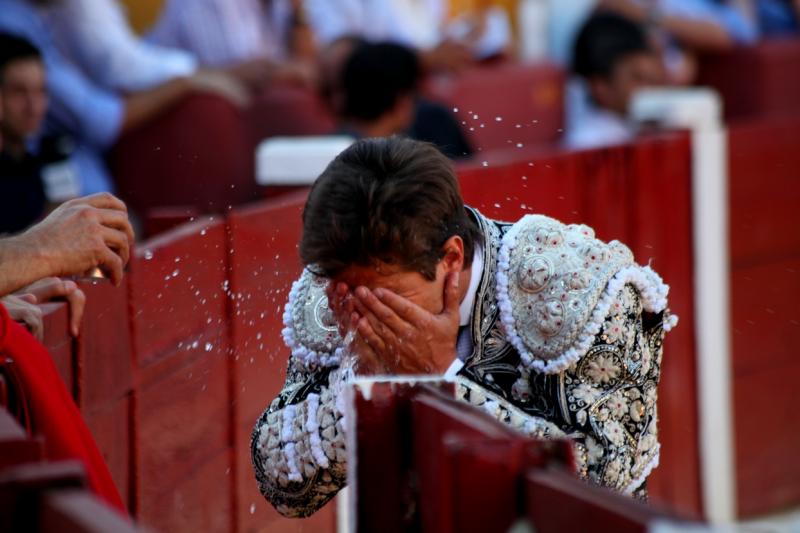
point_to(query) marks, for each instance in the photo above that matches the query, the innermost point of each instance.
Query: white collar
(465, 309)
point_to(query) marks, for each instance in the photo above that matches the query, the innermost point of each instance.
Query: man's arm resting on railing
(298, 445)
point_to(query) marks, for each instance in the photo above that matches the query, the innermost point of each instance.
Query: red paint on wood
(529, 108)
(771, 85)
(182, 422)
(557, 501)
(764, 167)
(110, 427)
(265, 263)
(197, 153)
(104, 346)
(200, 501)
(58, 341)
(177, 286)
(767, 439)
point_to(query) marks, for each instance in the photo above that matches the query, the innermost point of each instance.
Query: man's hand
(22, 309)
(82, 234)
(405, 337)
(50, 289)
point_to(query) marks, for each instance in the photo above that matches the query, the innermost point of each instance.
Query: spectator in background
(23, 104)
(685, 28)
(376, 96)
(261, 40)
(94, 117)
(95, 36)
(379, 82)
(612, 59)
(424, 26)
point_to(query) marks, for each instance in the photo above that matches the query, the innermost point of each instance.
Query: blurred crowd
(75, 77)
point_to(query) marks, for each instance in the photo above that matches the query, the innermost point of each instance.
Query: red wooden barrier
(527, 99)
(529, 111)
(764, 166)
(178, 291)
(426, 462)
(769, 87)
(556, 501)
(264, 263)
(198, 153)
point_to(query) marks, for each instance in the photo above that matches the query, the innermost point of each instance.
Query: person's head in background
(378, 89)
(23, 93)
(615, 58)
(331, 61)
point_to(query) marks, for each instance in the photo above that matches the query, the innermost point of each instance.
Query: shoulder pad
(310, 329)
(556, 284)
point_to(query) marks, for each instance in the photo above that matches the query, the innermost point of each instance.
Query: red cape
(53, 413)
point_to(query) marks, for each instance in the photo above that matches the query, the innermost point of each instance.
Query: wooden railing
(424, 461)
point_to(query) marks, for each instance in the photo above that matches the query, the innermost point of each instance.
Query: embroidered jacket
(567, 334)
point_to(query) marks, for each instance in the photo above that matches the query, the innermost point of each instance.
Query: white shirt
(589, 126)
(464, 345)
(221, 32)
(419, 24)
(95, 36)
(414, 23)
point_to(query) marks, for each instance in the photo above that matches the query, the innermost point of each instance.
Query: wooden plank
(104, 359)
(58, 341)
(264, 264)
(15, 445)
(182, 421)
(111, 428)
(78, 511)
(200, 501)
(764, 166)
(178, 287)
(529, 110)
(767, 439)
(557, 501)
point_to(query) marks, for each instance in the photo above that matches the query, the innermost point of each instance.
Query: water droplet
(455, 110)
(175, 272)
(519, 145)
(475, 117)
(499, 119)
(485, 164)
(177, 259)
(497, 205)
(209, 346)
(148, 255)
(202, 232)
(252, 508)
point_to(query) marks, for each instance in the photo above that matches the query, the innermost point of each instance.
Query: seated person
(442, 44)
(540, 324)
(377, 96)
(94, 117)
(23, 104)
(686, 28)
(96, 36)
(258, 41)
(612, 59)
